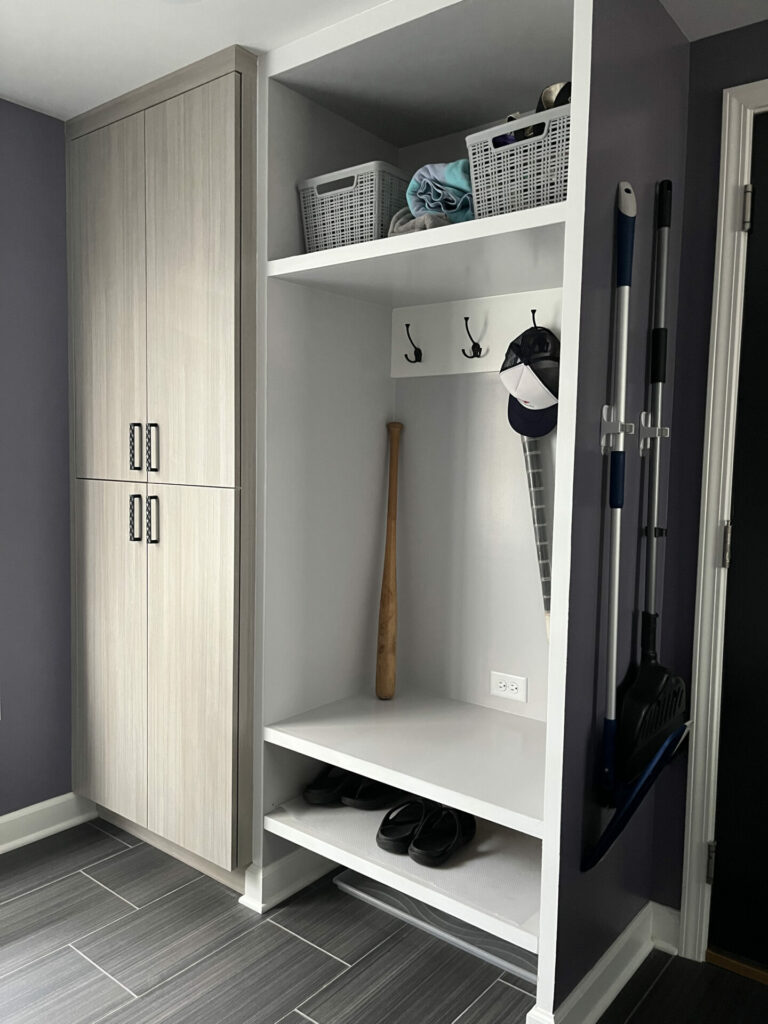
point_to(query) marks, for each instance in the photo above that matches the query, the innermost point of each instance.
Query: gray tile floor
(97, 926)
(669, 990)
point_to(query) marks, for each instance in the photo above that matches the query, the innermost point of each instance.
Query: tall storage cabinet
(162, 689)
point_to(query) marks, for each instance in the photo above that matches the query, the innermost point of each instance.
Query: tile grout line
(466, 1009)
(321, 989)
(517, 988)
(111, 836)
(31, 963)
(105, 973)
(648, 991)
(378, 945)
(106, 887)
(61, 878)
(201, 960)
(312, 944)
(171, 892)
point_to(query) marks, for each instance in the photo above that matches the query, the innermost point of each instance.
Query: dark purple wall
(638, 112)
(34, 475)
(717, 63)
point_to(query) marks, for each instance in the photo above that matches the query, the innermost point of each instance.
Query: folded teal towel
(442, 188)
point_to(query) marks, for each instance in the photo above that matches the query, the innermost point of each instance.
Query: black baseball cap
(530, 373)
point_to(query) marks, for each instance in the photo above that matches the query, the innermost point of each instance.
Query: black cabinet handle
(153, 448)
(133, 448)
(153, 519)
(133, 519)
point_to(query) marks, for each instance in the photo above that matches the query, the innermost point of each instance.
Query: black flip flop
(368, 795)
(401, 824)
(441, 833)
(329, 786)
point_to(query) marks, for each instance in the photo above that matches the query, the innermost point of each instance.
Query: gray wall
(717, 63)
(34, 476)
(637, 131)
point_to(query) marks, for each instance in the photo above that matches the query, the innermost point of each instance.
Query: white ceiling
(699, 18)
(65, 56)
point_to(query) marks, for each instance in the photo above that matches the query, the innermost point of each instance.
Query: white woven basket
(352, 205)
(516, 175)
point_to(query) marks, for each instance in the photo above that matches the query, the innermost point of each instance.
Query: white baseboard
(29, 824)
(655, 927)
(539, 1016)
(666, 929)
(266, 887)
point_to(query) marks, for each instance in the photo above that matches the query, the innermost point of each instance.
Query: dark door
(738, 923)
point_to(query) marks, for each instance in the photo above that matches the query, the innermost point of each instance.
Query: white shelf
(486, 762)
(493, 883)
(491, 256)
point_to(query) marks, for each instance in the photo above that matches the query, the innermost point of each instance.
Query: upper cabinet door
(107, 289)
(193, 246)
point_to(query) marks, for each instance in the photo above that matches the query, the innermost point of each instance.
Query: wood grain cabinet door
(192, 680)
(107, 291)
(110, 678)
(193, 244)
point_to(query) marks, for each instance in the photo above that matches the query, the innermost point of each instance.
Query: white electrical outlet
(510, 687)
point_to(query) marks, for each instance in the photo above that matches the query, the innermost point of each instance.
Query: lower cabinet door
(109, 763)
(192, 677)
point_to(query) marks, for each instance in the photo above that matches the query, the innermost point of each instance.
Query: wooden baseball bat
(386, 653)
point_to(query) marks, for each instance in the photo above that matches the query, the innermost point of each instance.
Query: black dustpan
(653, 704)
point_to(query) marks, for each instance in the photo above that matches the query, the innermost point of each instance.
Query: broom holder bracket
(611, 427)
(647, 432)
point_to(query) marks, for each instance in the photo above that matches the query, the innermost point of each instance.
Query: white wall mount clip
(611, 427)
(647, 432)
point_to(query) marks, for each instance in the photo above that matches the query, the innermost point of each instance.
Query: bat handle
(386, 652)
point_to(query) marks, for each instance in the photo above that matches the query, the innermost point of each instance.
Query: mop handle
(626, 214)
(659, 331)
(658, 374)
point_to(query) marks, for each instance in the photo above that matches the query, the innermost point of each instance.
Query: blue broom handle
(626, 214)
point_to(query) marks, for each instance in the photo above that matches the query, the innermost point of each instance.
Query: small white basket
(516, 175)
(352, 205)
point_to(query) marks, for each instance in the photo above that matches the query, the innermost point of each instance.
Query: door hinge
(727, 535)
(711, 850)
(749, 191)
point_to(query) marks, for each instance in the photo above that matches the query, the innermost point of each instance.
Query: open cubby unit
(469, 585)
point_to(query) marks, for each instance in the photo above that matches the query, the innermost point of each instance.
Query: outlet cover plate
(504, 684)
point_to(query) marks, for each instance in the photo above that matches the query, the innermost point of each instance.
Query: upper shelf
(513, 252)
(489, 763)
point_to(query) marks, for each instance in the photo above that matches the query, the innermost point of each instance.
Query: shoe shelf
(512, 252)
(476, 759)
(493, 883)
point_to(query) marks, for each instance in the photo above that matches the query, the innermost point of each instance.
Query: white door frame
(739, 107)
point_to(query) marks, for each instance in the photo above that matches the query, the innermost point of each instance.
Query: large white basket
(352, 205)
(516, 175)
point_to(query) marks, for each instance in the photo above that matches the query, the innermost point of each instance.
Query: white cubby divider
(438, 329)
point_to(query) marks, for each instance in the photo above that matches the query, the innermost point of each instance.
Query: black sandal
(401, 824)
(330, 785)
(441, 833)
(368, 795)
